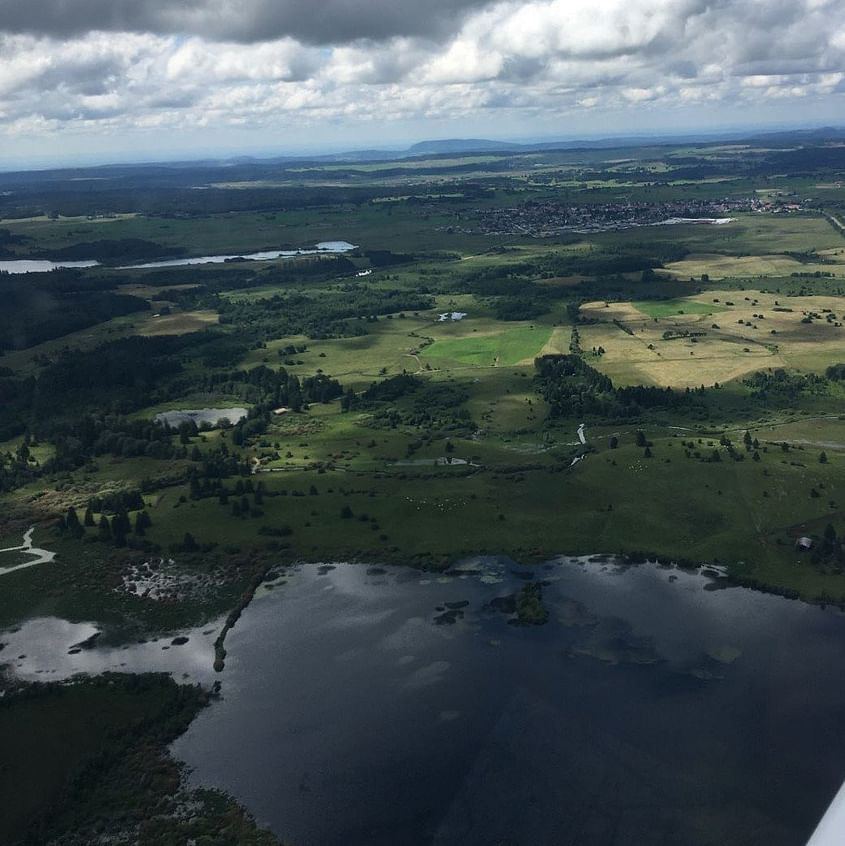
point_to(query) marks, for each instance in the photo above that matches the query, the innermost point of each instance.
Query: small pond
(211, 416)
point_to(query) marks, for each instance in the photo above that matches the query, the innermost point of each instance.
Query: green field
(428, 238)
(670, 308)
(499, 349)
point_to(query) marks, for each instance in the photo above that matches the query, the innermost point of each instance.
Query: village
(544, 219)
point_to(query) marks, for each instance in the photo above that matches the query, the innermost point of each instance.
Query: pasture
(713, 337)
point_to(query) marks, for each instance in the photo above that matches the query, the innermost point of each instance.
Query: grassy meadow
(471, 461)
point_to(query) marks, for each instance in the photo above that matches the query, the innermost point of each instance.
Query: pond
(211, 416)
(657, 706)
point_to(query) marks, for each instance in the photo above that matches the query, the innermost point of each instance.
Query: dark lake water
(359, 708)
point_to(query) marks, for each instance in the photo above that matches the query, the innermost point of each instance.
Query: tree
(614, 442)
(72, 523)
(142, 522)
(120, 524)
(641, 440)
(89, 516)
(346, 512)
(747, 440)
(823, 458)
(105, 529)
(188, 543)
(647, 453)
(347, 401)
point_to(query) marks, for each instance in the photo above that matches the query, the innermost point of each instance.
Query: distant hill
(248, 167)
(461, 145)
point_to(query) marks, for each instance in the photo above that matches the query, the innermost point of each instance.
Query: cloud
(322, 22)
(117, 66)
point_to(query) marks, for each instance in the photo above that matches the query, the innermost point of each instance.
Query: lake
(268, 255)
(16, 266)
(657, 706)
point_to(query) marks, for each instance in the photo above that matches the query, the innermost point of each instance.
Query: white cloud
(535, 57)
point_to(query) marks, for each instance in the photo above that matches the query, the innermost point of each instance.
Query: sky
(108, 80)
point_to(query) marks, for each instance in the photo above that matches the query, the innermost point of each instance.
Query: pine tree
(142, 522)
(105, 529)
(72, 523)
(120, 524)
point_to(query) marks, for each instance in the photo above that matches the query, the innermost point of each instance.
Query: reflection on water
(649, 710)
(16, 266)
(267, 255)
(50, 649)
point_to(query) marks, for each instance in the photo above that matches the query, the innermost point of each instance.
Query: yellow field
(719, 266)
(733, 349)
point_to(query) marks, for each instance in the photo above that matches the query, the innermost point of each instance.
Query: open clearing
(492, 347)
(179, 324)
